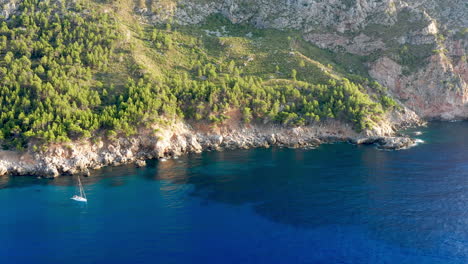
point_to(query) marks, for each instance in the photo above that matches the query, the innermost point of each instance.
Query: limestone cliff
(180, 138)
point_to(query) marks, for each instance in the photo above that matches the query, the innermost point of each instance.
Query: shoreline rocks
(140, 163)
(179, 139)
(396, 143)
(387, 143)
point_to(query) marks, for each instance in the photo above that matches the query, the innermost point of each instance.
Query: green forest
(76, 70)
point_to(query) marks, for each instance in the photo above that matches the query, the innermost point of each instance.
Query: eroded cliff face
(416, 48)
(179, 138)
(439, 90)
(306, 15)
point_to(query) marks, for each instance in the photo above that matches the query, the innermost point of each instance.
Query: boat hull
(79, 199)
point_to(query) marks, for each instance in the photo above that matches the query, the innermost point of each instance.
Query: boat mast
(81, 187)
(82, 190)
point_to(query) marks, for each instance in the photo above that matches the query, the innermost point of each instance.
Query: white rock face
(8, 7)
(3, 169)
(178, 139)
(306, 14)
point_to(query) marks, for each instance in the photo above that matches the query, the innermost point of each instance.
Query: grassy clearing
(266, 53)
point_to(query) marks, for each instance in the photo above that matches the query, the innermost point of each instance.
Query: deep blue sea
(339, 203)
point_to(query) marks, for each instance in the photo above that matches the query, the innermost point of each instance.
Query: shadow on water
(415, 198)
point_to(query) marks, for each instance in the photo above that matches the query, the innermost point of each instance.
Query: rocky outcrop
(387, 143)
(306, 15)
(3, 170)
(8, 7)
(140, 163)
(439, 90)
(180, 138)
(360, 44)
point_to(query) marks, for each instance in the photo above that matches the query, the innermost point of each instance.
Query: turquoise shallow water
(339, 203)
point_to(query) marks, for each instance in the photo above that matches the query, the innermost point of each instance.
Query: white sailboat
(82, 196)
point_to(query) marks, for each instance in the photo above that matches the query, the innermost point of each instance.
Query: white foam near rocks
(419, 141)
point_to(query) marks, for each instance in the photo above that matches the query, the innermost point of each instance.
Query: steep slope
(415, 48)
(93, 83)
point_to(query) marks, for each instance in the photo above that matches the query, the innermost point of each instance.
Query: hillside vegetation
(73, 70)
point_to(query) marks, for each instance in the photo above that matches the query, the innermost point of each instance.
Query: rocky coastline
(433, 85)
(180, 138)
